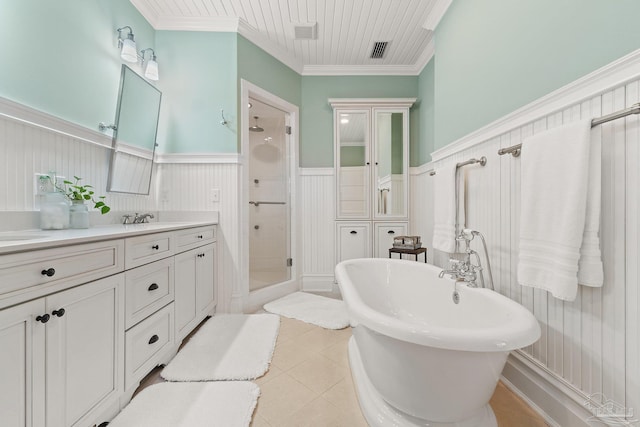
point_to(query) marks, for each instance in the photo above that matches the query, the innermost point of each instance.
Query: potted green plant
(79, 194)
(76, 192)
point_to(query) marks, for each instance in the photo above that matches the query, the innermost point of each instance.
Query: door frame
(251, 301)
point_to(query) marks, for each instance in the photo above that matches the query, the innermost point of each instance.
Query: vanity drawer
(69, 265)
(194, 237)
(148, 248)
(145, 344)
(148, 288)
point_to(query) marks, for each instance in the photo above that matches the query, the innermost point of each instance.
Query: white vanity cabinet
(195, 287)
(81, 323)
(61, 356)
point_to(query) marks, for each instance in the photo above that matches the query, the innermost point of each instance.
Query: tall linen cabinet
(371, 149)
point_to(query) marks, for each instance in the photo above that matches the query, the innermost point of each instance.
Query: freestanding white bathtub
(418, 358)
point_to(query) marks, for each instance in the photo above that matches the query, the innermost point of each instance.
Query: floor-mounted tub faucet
(466, 270)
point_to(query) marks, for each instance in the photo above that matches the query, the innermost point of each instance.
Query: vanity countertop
(27, 240)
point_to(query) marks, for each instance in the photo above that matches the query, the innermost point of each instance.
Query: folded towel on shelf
(448, 198)
(560, 210)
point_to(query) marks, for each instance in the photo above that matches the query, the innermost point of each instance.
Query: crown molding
(426, 56)
(614, 74)
(255, 37)
(435, 15)
(360, 70)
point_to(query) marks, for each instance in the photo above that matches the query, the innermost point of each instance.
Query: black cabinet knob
(200, 236)
(48, 272)
(59, 312)
(156, 247)
(154, 339)
(353, 232)
(43, 319)
(391, 232)
(153, 287)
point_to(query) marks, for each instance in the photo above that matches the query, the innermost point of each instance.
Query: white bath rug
(219, 404)
(326, 312)
(227, 347)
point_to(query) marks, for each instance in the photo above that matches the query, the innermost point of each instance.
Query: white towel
(444, 210)
(554, 187)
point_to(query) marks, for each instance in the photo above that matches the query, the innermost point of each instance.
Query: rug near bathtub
(227, 347)
(228, 404)
(321, 311)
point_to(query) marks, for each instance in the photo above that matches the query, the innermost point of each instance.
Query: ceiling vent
(378, 50)
(305, 31)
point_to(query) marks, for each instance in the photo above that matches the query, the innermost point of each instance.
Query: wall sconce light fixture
(151, 71)
(127, 46)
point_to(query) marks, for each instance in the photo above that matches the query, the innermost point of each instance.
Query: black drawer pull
(153, 287)
(391, 232)
(200, 236)
(59, 312)
(43, 319)
(154, 339)
(49, 272)
(353, 232)
(156, 247)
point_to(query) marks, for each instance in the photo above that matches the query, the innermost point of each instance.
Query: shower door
(269, 197)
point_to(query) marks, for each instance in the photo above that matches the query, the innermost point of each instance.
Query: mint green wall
(316, 141)
(198, 78)
(61, 56)
(494, 56)
(263, 70)
(423, 143)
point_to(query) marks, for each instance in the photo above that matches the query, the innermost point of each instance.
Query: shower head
(255, 128)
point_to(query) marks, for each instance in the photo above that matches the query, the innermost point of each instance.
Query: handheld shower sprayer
(468, 235)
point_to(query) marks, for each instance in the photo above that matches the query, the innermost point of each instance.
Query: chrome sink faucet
(139, 219)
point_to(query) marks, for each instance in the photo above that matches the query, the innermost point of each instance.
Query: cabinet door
(205, 280)
(353, 240)
(185, 292)
(353, 163)
(85, 345)
(22, 365)
(383, 237)
(391, 162)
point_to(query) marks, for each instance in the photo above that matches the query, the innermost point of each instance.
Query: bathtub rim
(521, 331)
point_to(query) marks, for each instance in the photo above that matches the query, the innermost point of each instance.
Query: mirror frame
(115, 141)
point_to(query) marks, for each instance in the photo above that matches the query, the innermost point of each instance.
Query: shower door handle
(258, 203)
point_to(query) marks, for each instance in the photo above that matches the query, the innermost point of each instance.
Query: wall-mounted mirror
(134, 139)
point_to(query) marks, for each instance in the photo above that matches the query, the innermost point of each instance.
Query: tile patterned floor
(309, 384)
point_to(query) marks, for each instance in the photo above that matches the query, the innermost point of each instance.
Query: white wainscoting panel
(421, 206)
(590, 345)
(27, 149)
(317, 210)
(187, 187)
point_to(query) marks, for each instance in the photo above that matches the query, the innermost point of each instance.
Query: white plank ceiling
(346, 30)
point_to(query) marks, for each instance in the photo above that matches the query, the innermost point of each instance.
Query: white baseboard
(319, 283)
(539, 392)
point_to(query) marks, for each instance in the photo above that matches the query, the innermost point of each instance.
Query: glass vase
(54, 211)
(78, 214)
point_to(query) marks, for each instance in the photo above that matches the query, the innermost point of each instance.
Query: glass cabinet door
(353, 163)
(390, 172)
